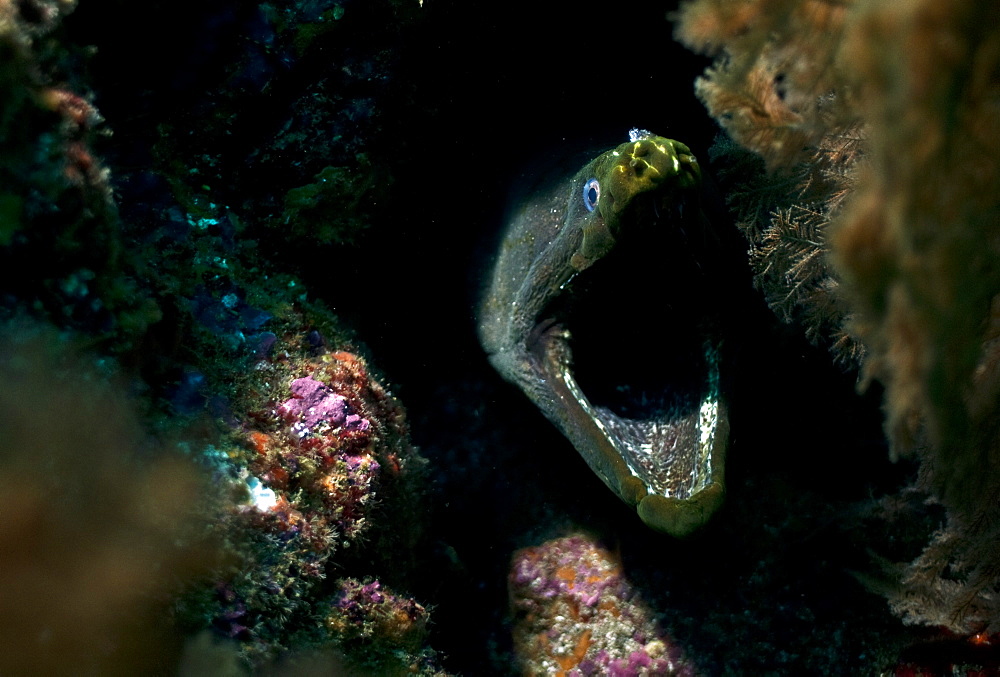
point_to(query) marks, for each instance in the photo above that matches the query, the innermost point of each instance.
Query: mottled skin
(552, 238)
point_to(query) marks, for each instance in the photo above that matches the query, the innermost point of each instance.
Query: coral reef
(884, 114)
(56, 210)
(577, 614)
(371, 612)
(918, 249)
(785, 215)
(273, 177)
(777, 93)
(294, 140)
(312, 469)
(315, 474)
(330, 208)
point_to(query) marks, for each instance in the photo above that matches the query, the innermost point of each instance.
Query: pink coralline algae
(313, 403)
(369, 611)
(578, 616)
(324, 451)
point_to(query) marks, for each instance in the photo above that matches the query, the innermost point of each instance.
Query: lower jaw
(670, 467)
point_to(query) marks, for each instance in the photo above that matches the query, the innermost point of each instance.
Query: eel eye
(591, 194)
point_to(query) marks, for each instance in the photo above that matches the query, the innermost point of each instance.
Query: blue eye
(591, 194)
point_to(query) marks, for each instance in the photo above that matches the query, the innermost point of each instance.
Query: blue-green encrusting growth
(628, 219)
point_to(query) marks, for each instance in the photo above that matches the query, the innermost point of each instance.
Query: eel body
(615, 248)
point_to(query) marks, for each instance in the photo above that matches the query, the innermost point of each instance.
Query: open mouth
(632, 343)
(603, 308)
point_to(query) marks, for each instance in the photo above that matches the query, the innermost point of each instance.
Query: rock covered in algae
(577, 614)
(307, 450)
(370, 611)
(62, 255)
(316, 473)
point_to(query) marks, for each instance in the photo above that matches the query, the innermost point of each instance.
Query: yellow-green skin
(550, 239)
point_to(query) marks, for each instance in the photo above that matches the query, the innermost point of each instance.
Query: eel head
(602, 308)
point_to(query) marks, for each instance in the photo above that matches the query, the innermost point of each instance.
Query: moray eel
(619, 250)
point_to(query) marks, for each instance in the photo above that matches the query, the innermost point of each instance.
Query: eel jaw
(669, 467)
(667, 460)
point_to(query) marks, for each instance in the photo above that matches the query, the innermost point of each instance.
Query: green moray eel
(636, 207)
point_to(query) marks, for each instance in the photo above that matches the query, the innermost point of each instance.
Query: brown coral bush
(886, 113)
(777, 90)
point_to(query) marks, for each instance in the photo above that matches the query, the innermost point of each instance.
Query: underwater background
(247, 426)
